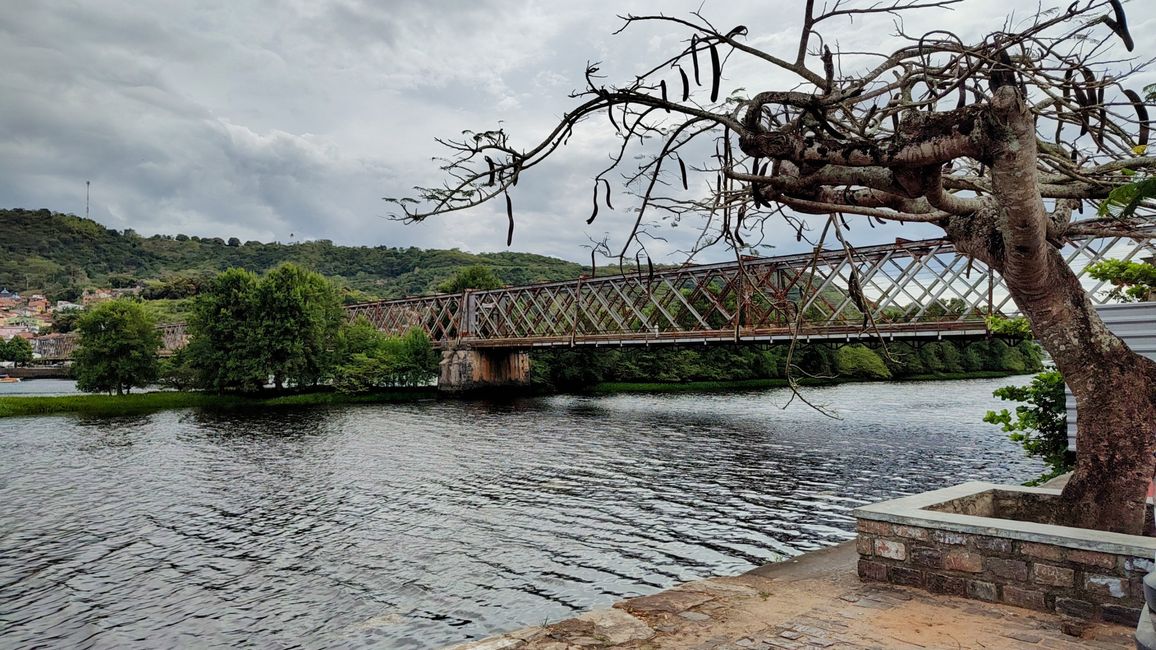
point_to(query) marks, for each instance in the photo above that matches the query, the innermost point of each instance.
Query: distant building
(64, 305)
(38, 304)
(8, 298)
(95, 296)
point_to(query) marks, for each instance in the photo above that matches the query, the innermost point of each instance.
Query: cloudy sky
(265, 119)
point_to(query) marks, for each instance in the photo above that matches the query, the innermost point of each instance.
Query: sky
(289, 120)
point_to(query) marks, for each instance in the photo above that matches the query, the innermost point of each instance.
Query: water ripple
(415, 525)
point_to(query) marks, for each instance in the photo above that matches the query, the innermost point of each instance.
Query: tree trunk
(1115, 391)
(1113, 386)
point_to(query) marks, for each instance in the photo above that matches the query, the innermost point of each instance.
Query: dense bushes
(581, 367)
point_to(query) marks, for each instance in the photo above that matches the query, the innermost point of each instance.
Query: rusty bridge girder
(911, 289)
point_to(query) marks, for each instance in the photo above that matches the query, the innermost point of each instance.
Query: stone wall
(1074, 582)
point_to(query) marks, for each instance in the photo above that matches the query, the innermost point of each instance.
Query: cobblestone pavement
(815, 601)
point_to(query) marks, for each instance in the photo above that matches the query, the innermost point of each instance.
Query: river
(416, 525)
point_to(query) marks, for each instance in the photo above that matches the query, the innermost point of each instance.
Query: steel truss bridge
(909, 290)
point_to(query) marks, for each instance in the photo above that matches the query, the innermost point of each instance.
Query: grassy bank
(148, 402)
(763, 384)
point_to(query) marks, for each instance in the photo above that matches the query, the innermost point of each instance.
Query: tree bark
(1115, 388)
(1115, 399)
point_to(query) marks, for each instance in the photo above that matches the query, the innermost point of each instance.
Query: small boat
(5, 379)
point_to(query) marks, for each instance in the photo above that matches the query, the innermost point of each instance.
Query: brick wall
(1079, 583)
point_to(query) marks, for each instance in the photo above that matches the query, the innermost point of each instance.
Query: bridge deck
(906, 290)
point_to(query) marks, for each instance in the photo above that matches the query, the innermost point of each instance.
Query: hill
(62, 254)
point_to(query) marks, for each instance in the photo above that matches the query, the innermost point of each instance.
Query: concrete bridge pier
(464, 370)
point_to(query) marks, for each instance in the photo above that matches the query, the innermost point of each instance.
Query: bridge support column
(469, 370)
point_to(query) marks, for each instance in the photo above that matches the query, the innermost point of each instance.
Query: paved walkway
(814, 601)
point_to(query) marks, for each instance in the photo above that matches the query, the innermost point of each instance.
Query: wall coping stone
(910, 511)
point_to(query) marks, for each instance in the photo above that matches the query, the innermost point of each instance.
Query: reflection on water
(416, 525)
(38, 387)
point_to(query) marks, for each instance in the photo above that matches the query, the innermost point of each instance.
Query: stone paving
(815, 601)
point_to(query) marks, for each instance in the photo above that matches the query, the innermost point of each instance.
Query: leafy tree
(65, 320)
(233, 241)
(298, 318)
(373, 361)
(117, 348)
(1040, 423)
(177, 372)
(472, 277)
(1018, 328)
(246, 329)
(225, 348)
(860, 362)
(1133, 281)
(16, 349)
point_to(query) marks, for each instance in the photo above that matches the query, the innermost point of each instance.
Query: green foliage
(581, 368)
(1039, 424)
(117, 348)
(1132, 281)
(58, 254)
(472, 277)
(1018, 328)
(16, 349)
(859, 362)
(298, 315)
(102, 405)
(372, 361)
(176, 372)
(224, 347)
(1123, 200)
(65, 320)
(245, 329)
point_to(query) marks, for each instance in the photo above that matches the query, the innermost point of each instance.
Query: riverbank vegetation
(106, 405)
(579, 369)
(17, 350)
(253, 335)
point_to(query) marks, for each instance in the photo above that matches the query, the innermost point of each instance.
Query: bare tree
(997, 142)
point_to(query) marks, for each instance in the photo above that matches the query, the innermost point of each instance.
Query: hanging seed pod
(1120, 25)
(649, 270)
(1141, 116)
(685, 84)
(828, 66)
(510, 218)
(608, 203)
(694, 58)
(613, 122)
(682, 172)
(493, 172)
(716, 71)
(594, 214)
(662, 86)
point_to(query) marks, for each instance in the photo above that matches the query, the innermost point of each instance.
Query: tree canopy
(117, 348)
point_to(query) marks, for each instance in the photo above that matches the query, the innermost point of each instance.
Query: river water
(416, 525)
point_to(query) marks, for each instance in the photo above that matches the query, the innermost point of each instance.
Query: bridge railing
(906, 289)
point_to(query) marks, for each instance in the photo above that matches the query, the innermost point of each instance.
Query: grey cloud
(267, 118)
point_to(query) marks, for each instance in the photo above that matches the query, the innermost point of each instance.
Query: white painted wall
(1135, 323)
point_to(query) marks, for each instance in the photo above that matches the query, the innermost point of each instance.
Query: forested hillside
(61, 254)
